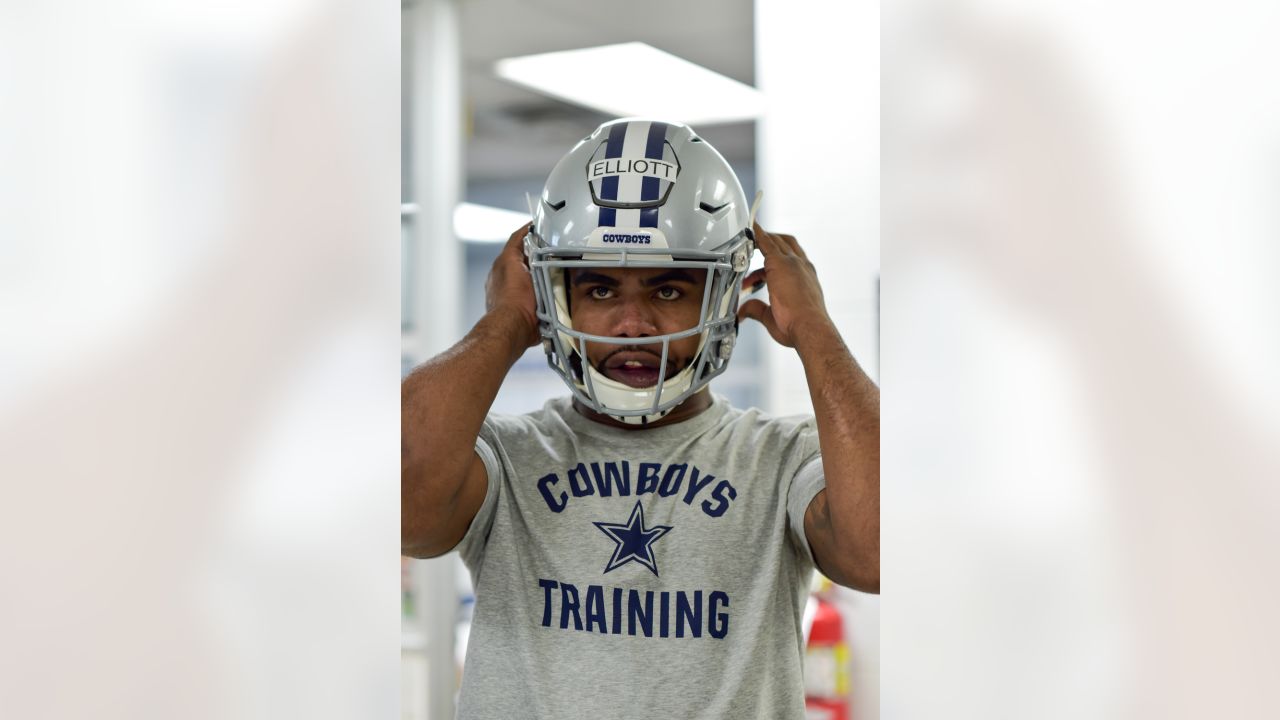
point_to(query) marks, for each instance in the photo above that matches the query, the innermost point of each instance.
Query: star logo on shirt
(634, 542)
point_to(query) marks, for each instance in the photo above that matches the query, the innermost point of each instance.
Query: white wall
(818, 162)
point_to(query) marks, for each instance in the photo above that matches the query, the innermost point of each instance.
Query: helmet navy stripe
(609, 187)
(650, 185)
(609, 191)
(617, 134)
(653, 146)
(649, 216)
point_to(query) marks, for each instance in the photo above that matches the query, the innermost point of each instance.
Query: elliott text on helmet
(641, 166)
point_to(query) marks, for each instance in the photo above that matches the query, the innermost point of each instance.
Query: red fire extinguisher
(826, 661)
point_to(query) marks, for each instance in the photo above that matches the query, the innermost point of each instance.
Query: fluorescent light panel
(635, 79)
(482, 223)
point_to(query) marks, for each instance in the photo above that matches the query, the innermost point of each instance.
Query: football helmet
(640, 193)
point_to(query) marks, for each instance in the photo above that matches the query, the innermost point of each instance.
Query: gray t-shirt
(640, 573)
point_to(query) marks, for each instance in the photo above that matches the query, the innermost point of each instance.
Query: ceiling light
(482, 223)
(635, 79)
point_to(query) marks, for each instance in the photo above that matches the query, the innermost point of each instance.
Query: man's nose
(634, 319)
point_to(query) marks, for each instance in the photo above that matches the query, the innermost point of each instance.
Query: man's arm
(443, 403)
(842, 522)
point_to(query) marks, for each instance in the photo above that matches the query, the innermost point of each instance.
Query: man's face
(637, 303)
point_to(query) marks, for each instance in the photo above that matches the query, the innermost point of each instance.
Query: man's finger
(759, 311)
(777, 243)
(754, 309)
(767, 243)
(515, 243)
(793, 245)
(755, 281)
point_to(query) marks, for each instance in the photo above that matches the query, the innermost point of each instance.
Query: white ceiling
(515, 132)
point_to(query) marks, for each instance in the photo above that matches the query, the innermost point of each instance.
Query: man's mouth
(637, 369)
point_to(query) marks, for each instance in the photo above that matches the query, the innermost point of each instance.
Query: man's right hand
(509, 289)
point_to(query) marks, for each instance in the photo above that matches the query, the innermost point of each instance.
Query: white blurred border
(1080, 339)
(199, 296)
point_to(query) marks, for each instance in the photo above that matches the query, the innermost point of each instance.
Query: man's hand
(509, 289)
(794, 291)
(842, 522)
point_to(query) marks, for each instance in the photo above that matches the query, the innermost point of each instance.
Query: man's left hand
(795, 297)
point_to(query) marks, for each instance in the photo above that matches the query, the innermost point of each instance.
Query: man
(641, 548)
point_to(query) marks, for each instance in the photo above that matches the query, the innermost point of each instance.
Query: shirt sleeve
(476, 539)
(807, 483)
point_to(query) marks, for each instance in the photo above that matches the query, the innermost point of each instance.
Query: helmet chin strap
(611, 394)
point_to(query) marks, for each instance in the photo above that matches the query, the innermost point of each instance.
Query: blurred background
(199, 314)
(496, 91)
(1080, 346)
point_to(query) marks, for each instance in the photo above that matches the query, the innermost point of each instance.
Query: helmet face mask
(640, 194)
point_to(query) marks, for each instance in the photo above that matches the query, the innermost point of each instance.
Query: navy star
(634, 540)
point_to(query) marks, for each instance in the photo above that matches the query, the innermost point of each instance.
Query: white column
(818, 162)
(434, 94)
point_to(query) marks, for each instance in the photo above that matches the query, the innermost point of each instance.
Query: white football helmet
(640, 194)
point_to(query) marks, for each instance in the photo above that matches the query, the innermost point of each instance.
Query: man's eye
(599, 292)
(668, 293)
